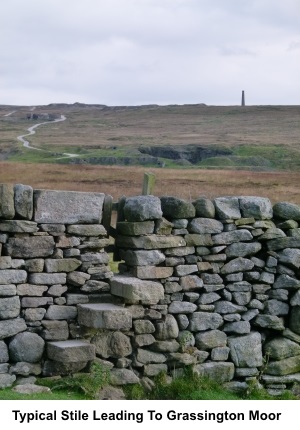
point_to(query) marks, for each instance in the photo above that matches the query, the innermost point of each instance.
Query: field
(194, 150)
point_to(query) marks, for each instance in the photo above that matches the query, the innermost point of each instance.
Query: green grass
(279, 156)
(256, 157)
(192, 387)
(265, 157)
(188, 386)
(81, 386)
(8, 394)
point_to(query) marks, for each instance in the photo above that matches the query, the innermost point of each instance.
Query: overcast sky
(132, 52)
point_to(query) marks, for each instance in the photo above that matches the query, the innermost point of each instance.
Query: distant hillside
(262, 138)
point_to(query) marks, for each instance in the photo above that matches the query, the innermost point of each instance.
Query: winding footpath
(32, 129)
(10, 113)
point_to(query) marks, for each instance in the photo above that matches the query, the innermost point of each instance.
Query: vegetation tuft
(86, 384)
(190, 386)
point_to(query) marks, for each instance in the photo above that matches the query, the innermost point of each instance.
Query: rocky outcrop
(192, 154)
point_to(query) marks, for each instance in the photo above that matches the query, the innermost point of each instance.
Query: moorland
(194, 150)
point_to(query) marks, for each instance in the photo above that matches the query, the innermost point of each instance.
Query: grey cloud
(294, 46)
(155, 51)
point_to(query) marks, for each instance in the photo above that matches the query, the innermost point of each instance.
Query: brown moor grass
(184, 183)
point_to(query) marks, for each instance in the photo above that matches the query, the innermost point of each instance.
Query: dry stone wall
(211, 284)
(52, 260)
(219, 284)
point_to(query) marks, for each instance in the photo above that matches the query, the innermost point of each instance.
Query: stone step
(136, 290)
(104, 316)
(71, 351)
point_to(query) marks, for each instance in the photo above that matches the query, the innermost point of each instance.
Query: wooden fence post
(148, 183)
(120, 217)
(107, 210)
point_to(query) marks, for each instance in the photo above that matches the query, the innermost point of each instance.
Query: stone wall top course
(67, 207)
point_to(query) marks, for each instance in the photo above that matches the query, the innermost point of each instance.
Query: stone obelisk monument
(243, 98)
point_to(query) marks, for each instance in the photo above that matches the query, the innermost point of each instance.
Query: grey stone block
(78, 279)
(7, 206)
(286, 282)
(276, 307)
(185, 269)
(8, 262)
(55, 330)
(8, 290)
(210, 339)
(237, 327)
(270, 322)
(23, 368)
(241, 249)
(4, 357)
(257, 207)
(230, 237)
(6, 380)
(12, 276)
(75, 299)
(285, 210)
(35, 314)
(146, 357)
(191, 282)
(31, 246)
(199, 240)
(143, 258)
(16, 226)
(227, 207)
(11, 327)
(238, 264)
(87, 230)
(47, 278)
(201, 321)
(175, 208)
(35, 302)
(167, 329)
(34, 265)
(294, 320)
(182, 308)
(56, 312)
(143, 326)
(27, 347)
(150, 242)
(70, 351)
(152, 272)
(123, 377)
(142, 208)
(217, 371)
(9, 307)
(283, 367)
(220, 353)
(155, 369)
(291, 257)
(205, 225)
(280, 348)
(284, 242)
(127, 228)
(67, 207)
(23, 199)
(246, 351)
(61, 265)
(31, 290)
(104, 316)
(112, 344)
(204, 208)
(55, 368)
(134, 290)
